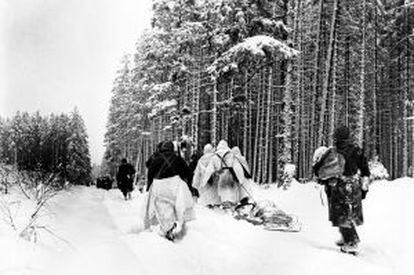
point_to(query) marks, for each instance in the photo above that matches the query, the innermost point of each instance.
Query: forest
(272, 77)
(54, 144)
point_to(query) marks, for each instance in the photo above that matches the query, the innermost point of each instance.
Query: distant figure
(195, 157)
(125, 178)
(225, 177)
(104, 182)
(169, 203)
(337, 169)
(185, 150)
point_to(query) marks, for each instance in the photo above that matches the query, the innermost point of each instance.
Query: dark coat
(354, 159)
(166, 164)
(345, 193)
(151, 158)
(125, 177)
(194, 160)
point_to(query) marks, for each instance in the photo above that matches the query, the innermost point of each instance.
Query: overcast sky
(57, 54)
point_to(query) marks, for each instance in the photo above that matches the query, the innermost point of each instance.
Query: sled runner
(264, 214)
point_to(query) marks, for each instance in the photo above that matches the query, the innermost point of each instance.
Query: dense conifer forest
(272, 77)
(56, 144)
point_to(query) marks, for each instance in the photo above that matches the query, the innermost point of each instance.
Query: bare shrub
(25, 203)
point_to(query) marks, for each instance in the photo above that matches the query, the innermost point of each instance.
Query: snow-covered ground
(103, 235)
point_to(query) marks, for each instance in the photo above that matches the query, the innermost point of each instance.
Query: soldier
(125, 178)
(169, 203)
(337, 168)
(224, 179)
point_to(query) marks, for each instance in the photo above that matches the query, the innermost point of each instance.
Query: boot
(170, 233)
(351, 248)
(340, 242)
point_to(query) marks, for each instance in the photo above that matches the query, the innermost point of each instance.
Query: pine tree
(79, 165)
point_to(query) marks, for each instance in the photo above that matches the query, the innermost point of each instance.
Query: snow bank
(105, 236)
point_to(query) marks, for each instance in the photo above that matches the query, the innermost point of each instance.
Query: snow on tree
(253, 50)
(377, 169)
(162, 106)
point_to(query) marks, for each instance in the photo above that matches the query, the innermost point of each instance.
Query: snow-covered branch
(256, 49)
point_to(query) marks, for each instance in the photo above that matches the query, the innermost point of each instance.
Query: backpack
(166, 165)
(331, 165)
(225, 167)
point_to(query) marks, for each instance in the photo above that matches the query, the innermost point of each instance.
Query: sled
(292, 226)
(265, 215)
(286, 224)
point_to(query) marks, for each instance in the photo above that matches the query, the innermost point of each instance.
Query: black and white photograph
(206, 137)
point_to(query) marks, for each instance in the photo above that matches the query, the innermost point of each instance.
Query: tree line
(272, 77)
(55, 144)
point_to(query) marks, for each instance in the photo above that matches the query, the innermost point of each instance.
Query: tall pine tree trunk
(256, 151)
(297, 88)
(316, 73)
(405, 100)
(267, 130)
(195, 108)
(325, 85)
(332, 110)
(214, 115)
(361, 106)
(287, 115)
(347, 79)
(375, 119)
(262, 127)
(245, 115)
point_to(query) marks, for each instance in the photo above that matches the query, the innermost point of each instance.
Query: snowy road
(106, 237)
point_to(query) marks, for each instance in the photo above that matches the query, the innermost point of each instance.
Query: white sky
(57, 54)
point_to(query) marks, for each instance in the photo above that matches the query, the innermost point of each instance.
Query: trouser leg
(354, 234)
(124, 192)
(349, 234)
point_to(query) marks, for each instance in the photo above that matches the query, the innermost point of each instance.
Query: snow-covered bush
(23, 210)
(377, 169)
(289, 171)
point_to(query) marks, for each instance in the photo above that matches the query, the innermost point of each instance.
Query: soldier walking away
(104, 182)
(223, 182)
(125, 178)
(169, 203)
(343, 170)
